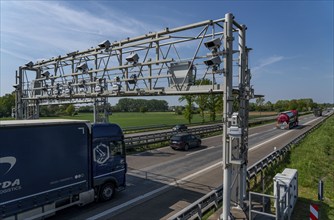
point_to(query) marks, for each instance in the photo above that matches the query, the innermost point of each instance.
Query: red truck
(287, 120)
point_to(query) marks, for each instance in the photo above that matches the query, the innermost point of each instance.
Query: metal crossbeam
(109, 69)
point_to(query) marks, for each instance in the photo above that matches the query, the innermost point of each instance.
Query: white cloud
(17, 55)
(266, 62)
(55, 26)
(34, 29)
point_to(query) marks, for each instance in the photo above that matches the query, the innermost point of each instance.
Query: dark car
(184, 141)
(180, 127)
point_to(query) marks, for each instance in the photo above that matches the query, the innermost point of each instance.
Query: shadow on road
(155, 152)
(147, 196)
(300, 127)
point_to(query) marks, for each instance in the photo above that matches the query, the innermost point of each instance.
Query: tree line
(123, 105)
(7, 103)
(211, 104)
(140, 105)
(132, 105)
(301, 105)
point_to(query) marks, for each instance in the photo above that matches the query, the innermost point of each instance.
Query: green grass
(314, 159)
(138, 119)
(151, 118)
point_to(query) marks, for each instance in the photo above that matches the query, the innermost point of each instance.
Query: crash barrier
(252, 122)
(276, 155)
(137, 129)
(211, 200)
(136, 141)
(199, 207)
(154, 138)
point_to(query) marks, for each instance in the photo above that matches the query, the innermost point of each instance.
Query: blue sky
(292, 41)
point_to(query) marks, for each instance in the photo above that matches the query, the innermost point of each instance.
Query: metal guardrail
(147, 139)
(136, 129)
(252, 122)
(199, 207)
(211, 200)
(256, 168)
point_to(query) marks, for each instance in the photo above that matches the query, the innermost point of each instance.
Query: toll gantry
(208, 57)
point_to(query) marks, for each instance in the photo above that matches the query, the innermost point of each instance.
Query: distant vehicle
(184, 141)
(317, 112)
(180, 127)
(287, 120)
(48, 165)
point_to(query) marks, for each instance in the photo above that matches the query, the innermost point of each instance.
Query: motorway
(162, 182)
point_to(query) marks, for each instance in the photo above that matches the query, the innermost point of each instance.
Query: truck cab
(109, 161)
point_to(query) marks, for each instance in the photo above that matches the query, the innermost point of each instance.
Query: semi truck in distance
(48, 165)
(287, 119)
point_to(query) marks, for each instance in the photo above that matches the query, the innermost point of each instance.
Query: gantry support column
(227, 113)
(243, 114)
(18, 95)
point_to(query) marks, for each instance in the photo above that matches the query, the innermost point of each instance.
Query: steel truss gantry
(173, 61)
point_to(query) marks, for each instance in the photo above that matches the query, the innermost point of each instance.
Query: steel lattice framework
(176, 61)
(151, 64)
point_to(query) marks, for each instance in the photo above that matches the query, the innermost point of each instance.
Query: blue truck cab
(109, 161)
(48, 165)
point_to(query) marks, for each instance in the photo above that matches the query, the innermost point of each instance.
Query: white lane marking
(252, 135)
(259, 145)
(141, 197)
(107, 212)
(208, 148)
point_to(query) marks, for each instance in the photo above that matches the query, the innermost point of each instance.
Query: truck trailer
(48, 165)
(287, 119)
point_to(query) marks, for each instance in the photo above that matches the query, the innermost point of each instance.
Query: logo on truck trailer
(9, 185)
(8, 160)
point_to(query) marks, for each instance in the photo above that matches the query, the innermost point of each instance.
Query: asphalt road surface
(162, 182)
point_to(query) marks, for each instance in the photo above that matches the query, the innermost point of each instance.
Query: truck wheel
(186, 148)
(107, 191)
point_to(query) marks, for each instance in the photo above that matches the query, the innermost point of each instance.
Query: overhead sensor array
(168, 62)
